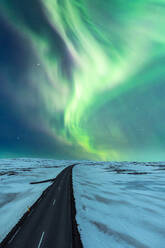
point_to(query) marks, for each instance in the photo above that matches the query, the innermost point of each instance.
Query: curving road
(51, 221)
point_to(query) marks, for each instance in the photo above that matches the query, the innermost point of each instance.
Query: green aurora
(99, 74)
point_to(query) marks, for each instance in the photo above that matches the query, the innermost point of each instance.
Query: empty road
(50, 222)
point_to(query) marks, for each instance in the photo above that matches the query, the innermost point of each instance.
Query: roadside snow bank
(120, 204)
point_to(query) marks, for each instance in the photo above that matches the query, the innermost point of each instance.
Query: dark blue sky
(82, 80)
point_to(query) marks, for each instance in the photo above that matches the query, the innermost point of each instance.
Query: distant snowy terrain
(118, 204)
(121, 204)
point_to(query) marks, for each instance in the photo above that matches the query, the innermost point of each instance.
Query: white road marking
(14, 235)
(54, 201)
(41, 239)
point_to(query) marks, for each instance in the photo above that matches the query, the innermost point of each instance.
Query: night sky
(82, 79)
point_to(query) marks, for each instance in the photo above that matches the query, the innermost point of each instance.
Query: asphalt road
(50, 222)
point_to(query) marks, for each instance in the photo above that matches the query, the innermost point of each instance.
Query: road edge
(76, 239)
(21, 220)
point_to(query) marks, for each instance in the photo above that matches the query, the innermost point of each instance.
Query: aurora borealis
(82, 79)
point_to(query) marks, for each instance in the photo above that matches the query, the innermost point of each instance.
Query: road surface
(49, 223)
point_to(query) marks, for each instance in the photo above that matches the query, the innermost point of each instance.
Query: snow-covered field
(121, 204)
(118, 204)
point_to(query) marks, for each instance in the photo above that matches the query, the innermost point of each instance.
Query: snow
(120, 204)
(16, 192)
